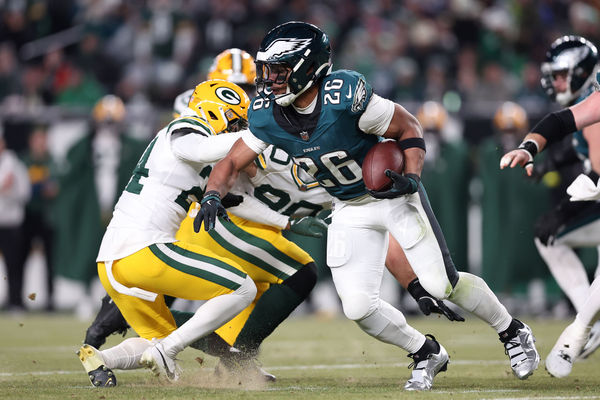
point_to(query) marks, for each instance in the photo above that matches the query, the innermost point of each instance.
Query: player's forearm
(222, 177)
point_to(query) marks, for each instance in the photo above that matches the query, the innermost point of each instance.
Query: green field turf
(312, 358)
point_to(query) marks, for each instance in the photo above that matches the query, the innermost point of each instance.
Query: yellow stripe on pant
(182, 270)
(261, 250)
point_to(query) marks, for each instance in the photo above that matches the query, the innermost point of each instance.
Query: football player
(568, 77)
(327, 121)
(140, 260)
(551, 129)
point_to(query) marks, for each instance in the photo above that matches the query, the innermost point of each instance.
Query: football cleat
(99, 374)
(593, 341)
(238, 363)
(520, 349)
(560, 360)
(160, 363)
(108, 321)
(425, 369)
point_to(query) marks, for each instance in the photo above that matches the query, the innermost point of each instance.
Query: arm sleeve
(254, 210)
(377, 116)
(193, 147)
(257, 145)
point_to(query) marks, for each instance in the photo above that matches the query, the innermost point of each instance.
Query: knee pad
(357, 306)
(303, 281)
(439, 288)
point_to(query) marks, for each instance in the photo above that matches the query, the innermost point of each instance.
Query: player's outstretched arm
(552, 128)
(221, 179)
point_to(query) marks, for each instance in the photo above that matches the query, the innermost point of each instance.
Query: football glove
(210, 209)
(308, 226)
(232, 200)
(429, 304)
(402, 184)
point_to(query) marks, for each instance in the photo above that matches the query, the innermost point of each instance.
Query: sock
(209, 316)
(511, 331)
(125, 355)
(473, 294)
(590, 311)
(388, 324)
(428, 347)
(567, 270)
(273, 307)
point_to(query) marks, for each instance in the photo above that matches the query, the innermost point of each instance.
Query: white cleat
(593, 341)
(426, 369)
(520, 349)
(559, 362)
(160, 363)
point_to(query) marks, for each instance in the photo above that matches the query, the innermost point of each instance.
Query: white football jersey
(171, 174)
(285, 187)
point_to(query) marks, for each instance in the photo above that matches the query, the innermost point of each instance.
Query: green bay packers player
(260, 246)
(140, 260)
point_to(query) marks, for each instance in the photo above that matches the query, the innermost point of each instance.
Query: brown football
(382, 156)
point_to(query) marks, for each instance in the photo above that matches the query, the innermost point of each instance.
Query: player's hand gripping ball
(383, 156)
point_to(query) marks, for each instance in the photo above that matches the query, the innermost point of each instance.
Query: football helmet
(223, 104)
(233, 65)
(511, 117)
(302, 53)
(109, 108)
(432, 116)
(577, 57)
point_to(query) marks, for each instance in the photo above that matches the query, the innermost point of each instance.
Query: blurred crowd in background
(469, 69)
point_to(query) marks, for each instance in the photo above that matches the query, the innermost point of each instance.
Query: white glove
(584, 189)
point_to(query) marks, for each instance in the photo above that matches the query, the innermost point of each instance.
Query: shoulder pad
(355, 90)
(196, 124)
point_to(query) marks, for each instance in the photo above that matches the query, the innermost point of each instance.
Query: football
(382, 156)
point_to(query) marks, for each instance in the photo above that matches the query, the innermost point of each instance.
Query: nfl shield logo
(304, 135)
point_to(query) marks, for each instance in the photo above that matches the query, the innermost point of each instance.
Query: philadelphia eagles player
(327, 121)
(551, 129)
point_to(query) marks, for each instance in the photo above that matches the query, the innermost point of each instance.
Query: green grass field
(312, 358)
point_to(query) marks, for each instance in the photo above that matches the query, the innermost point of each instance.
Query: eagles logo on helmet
(223, 104)
(296, 53)
(575, 56)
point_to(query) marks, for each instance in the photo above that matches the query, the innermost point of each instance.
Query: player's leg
(572, 340)
(180, 270)
(569, 225)
(414, 225)
(270, 258)
(356, 252)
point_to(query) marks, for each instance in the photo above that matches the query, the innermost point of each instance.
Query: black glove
(210, 209)
(429, 304)
(402, 184)
(232, 200)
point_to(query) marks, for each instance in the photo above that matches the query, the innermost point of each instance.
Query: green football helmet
(300, 47)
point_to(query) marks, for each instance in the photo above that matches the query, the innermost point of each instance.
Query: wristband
(530, 146)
